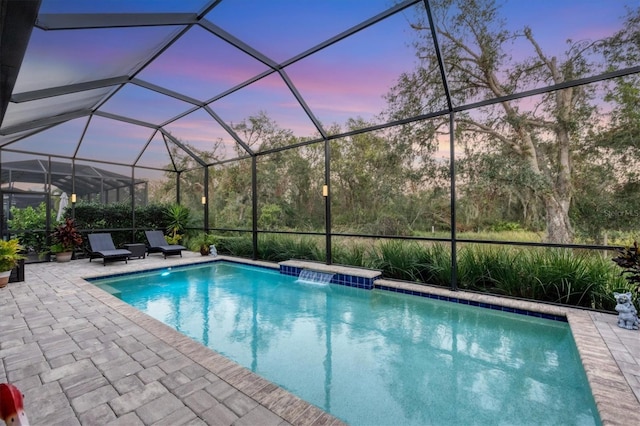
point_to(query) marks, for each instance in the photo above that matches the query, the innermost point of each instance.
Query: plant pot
(4, 278)
(65, 256)
(204, 250)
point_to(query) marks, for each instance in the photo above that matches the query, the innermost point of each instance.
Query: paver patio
(82, 356)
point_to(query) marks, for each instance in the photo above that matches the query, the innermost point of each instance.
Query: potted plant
(66, 239)
(9, 257)
(202, 243)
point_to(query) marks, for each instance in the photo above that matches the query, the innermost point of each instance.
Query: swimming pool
(374, 357)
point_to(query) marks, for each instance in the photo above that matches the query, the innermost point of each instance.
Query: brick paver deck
(81, 356)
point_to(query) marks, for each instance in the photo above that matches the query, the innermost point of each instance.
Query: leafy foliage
(66, 236)
(276, 248)
(178, 217)
(30, 224)
(549, 275)
(9, 254)
(629, 259)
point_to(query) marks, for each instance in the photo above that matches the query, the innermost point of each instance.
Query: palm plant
(178, 217)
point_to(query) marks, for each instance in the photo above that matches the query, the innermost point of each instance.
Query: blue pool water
(374, 357)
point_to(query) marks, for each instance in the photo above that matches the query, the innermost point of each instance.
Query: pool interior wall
(617, 399)
(369, 279)
(357, 281)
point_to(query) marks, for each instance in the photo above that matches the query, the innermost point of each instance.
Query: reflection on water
(372, 357)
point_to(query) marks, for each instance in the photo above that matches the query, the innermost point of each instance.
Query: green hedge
(114, 216)
(563, 276)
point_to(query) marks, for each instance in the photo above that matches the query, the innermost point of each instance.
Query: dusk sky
(346, 80)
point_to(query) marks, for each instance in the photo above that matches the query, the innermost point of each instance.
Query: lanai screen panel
(113, 140)
(230, 203)
(20, 114)
(110, 184)
(156, 155)
(145, 105)
(289, 185)
(26, 173)
(191, 193)
(206, 137)
(347, 84)
(517, 46)
(62, 139)
(160, 187)
(61, 57)
(201, 65)
(9, 139)
(268, 97)
(292, 27)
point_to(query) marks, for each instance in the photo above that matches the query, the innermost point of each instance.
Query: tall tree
(542, 133)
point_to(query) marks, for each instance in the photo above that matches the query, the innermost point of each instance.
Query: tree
(542, 134)
(619, 140)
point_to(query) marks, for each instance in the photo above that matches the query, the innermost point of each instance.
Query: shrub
(33, 222)
(629, 260)
(397, 259)
(66, 237)
(277, 248)
(9, 254)
(234, 246)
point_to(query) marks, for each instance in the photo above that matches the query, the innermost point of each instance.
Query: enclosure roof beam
(303, 104)
(229, 130)
(239, 44)
(184, 148)
(166, 92)
(379, 17)
(16, 24)
(69, 88)
(125, 119)
(548, 89)
(74, 21)
(47, 121)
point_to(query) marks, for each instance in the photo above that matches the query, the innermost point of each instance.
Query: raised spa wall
(369, 279)
(342, 275)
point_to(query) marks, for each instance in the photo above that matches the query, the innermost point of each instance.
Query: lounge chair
(159, 244)
(102, 246)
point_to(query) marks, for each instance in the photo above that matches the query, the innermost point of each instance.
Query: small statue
(627, 313)
(12, 406)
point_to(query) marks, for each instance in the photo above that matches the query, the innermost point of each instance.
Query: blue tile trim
(474, 303)
(340, 279)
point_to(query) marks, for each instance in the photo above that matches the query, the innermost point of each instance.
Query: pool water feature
(373, 357)
(309, 276)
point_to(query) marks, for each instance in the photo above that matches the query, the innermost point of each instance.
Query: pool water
(374, 357)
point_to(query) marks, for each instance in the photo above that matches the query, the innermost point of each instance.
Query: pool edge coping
(614, 398)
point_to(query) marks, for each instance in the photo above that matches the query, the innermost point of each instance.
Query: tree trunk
(558, 224)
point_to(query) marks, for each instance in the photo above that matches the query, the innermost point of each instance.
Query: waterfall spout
(309, 276)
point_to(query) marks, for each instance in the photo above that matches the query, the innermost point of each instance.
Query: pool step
(109, 289)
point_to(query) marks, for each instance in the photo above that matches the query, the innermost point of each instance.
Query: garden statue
(627, 313)
(11, 406)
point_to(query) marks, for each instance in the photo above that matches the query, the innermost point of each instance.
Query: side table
(137, 250)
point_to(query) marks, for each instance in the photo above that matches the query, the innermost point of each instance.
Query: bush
(234, 246)
(548, 275)
(277, 248)
(33, 222)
